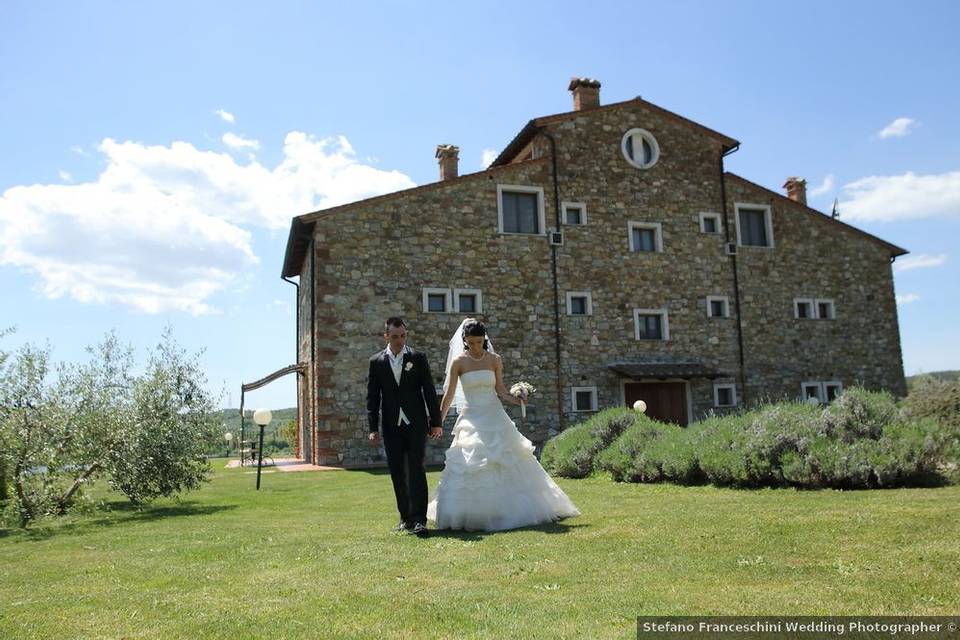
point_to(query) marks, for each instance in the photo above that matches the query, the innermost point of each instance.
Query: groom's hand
(436, 433)
(374, 438)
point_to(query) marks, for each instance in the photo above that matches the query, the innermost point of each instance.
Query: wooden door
(666, 401)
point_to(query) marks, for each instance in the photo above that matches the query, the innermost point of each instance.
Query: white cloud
(888, 198)
(65, 176)
(919, 261)
(77, 149)
(826, 187)
(907, 298)
(282, 305)
(489, 155)
(226, 116)
(234, 141)
(167, 227)
(898, 128)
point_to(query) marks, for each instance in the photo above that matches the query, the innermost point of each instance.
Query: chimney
(796, 189)
(586, 93)
(449, 156)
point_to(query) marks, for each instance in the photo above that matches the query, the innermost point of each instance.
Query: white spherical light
(262, 416)
(640, 406)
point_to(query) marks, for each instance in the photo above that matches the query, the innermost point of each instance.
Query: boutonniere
(409, 366)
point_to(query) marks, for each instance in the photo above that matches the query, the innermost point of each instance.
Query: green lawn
(311, 555)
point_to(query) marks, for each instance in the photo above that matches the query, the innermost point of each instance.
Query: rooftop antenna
(836, 208)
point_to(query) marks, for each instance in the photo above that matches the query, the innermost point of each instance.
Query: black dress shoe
(420, 530)
(402, 527)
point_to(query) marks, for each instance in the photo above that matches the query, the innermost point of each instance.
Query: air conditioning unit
(731, 248)
(556, 238)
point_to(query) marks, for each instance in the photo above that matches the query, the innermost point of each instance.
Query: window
(810, 309)
(574, 213)
(645, 236)
(754, 225)
(718, 307)
(579, 303)
(467, 304)
(832, 390)
(825, 392)
(825, 310)
(640, 148)
(811, 390)
(724, 395)
(803, 308)
(710, 223)
(520, 210)
(584, 398)
(651, 324)
(468, 301)
(437, 301)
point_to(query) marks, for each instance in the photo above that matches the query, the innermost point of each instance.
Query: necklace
(477, 359)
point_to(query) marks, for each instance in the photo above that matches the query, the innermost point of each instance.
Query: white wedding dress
(492, 481)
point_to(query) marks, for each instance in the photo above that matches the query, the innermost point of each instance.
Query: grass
(311, 555)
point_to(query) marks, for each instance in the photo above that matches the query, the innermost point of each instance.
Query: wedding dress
(492, 481)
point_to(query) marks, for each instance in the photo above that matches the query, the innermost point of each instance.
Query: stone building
(613, 259)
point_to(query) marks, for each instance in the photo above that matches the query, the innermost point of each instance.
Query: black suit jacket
(415, 394)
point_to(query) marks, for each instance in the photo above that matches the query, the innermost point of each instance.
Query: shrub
(570, 454)
(633, 457)
(938, 400)
(676, 454)
(859, 414)
(862, 440)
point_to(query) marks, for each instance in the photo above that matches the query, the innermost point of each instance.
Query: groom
(398, 386)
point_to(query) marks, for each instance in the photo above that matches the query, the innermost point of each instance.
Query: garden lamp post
(229, 438)
(261, 417)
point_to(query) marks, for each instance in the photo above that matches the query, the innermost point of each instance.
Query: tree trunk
(64, 501)
(26, 513)
(3, 481)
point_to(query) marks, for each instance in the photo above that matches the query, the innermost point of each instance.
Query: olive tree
(63, 426)
(172, 419)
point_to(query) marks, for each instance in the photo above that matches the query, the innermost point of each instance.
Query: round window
(640, 148)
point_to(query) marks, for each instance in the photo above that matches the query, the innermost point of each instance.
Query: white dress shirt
(396, 363)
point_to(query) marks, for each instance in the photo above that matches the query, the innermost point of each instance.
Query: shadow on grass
(475, 536)
(112, 514)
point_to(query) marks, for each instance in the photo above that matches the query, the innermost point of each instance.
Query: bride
(491, 480)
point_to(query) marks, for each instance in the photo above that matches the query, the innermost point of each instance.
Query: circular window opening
(640, 148)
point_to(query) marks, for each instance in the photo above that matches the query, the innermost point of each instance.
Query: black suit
(405, 444)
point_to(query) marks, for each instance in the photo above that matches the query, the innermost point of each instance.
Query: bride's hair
(475, 328)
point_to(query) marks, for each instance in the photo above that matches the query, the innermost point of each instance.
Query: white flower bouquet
(522, 390)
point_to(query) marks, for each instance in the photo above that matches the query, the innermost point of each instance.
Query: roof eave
(297, 242)
(533, 126)
(895, 251)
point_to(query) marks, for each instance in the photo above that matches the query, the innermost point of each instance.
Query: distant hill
(947, 376)
(231, 418)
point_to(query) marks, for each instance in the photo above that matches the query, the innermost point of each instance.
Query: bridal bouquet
(522, 390)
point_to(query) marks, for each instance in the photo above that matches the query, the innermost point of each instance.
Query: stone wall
(373, 260)
(815, 257)
(305, 388)
(596, 257)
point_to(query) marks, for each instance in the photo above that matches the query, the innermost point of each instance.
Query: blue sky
(154, 154)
